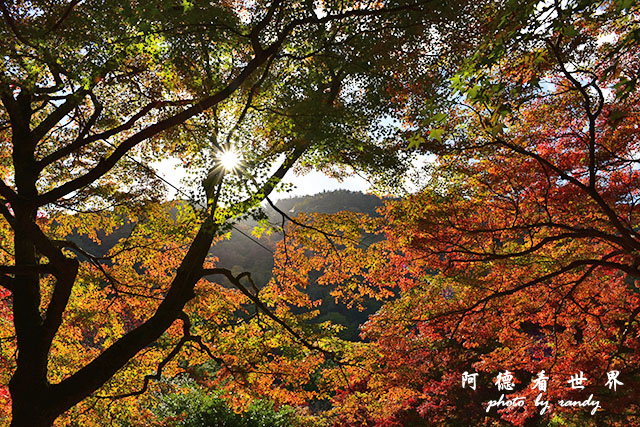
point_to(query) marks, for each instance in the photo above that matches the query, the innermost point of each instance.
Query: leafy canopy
(94, 93)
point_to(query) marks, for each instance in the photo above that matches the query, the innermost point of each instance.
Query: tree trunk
(30, 416)
(30, 408)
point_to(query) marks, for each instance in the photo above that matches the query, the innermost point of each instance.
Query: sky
(315, 182)
(311, 183)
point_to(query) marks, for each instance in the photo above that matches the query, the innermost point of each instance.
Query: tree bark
(30, 408)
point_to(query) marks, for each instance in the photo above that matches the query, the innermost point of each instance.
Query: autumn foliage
(519, 251)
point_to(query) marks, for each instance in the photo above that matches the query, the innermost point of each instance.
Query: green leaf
(415, 141)
(440, 117)
(624, 5)
(497, 129)
(473, 92)
(570, 31)
(186, 5)
(436, 133)
(456, 82)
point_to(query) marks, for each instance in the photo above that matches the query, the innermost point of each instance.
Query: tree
(521, 251)
(92, 92)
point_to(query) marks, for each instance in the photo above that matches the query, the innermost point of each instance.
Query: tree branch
(235, 280)
(64, 16)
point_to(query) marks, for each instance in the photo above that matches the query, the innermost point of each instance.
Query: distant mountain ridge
(332, 202)
(244, 252)
(240, 253)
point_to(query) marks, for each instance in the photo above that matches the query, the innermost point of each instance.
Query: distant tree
(197, 407)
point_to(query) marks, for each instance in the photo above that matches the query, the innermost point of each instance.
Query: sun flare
(229, 160)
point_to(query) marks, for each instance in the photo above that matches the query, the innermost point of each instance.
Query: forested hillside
(242, 251)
